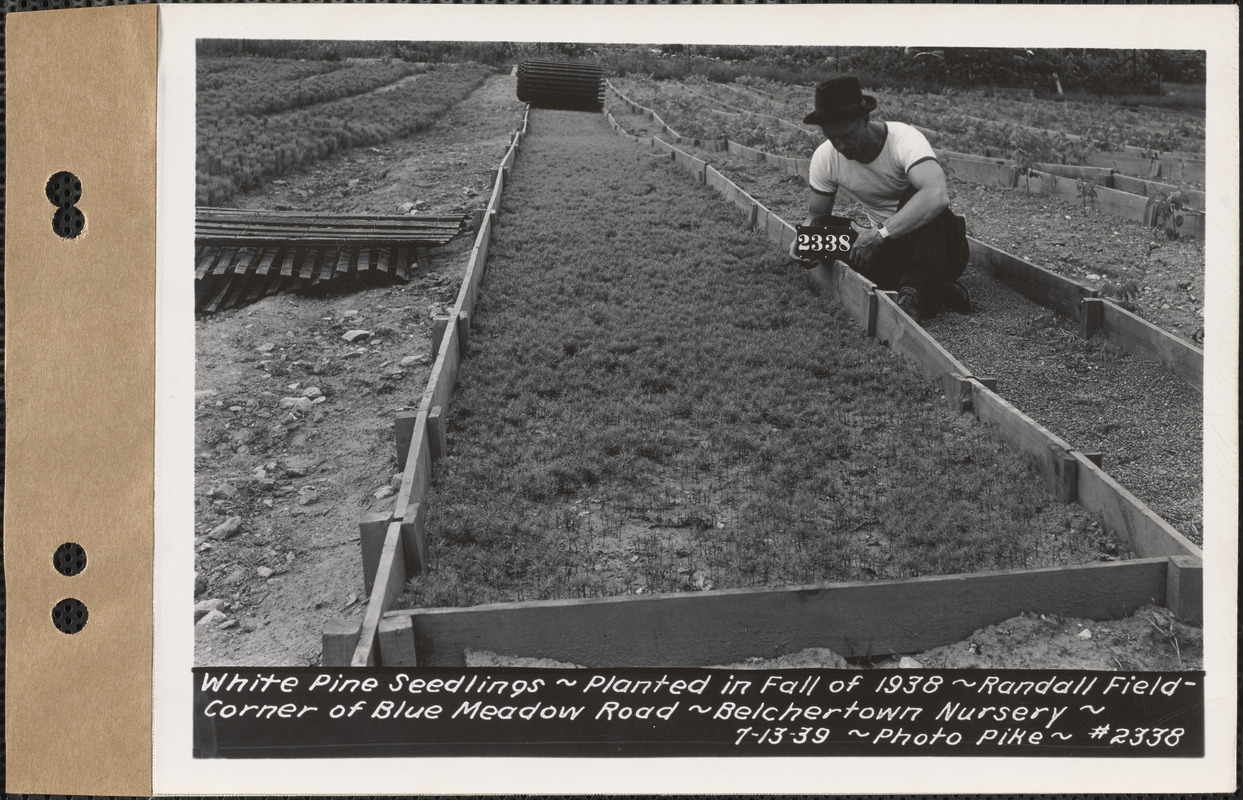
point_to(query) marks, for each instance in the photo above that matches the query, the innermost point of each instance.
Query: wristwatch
(883, 231)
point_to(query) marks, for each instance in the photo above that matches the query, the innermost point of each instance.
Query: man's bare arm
(930, 199)
(820, 208)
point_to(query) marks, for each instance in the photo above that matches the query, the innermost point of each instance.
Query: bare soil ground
(1148, 640)
(298, 482)
(1145, 420)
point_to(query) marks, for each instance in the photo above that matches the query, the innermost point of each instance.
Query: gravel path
(1094, 248)
(1146, 421)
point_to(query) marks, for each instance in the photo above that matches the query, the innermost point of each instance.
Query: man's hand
(806, 263)
(866, 247)
(819, 211)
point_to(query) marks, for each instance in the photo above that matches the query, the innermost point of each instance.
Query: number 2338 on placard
(818, 241)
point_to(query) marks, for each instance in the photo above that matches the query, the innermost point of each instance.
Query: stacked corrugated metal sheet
(242, 255)
(561, 84)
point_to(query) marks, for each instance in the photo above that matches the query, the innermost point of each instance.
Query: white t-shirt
(877, 185)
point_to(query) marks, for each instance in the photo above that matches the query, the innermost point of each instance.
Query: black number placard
(821, 241)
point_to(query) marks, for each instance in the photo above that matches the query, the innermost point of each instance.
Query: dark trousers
(926, 258)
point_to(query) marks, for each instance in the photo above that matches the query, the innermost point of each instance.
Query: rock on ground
(213, 619)
(227, 529)
(205, 607)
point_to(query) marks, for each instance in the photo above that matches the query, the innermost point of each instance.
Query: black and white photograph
(656, 398)
(532, 357)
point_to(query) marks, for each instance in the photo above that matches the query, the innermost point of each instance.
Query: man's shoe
(954, 297)
(908, 301)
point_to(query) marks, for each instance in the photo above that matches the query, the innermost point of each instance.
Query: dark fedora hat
(838, 99)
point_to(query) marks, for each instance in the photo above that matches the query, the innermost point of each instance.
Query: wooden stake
(436, 433)
(1067, 474)
(371, 530)
(397, 642)
(463, 332)
(403, 431)
(339, 640)
(1092, 317)
(439, 324)
(414, 540)
(1184, 588)
(959, 395)
(389, 584)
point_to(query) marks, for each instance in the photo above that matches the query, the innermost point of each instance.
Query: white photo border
(1210, 28)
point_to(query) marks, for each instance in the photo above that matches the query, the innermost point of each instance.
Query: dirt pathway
(296, 480)
(443, 170)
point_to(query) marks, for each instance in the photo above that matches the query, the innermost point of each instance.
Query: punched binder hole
(68, 222)
(69, 559)
(64, 190)
(69, 615)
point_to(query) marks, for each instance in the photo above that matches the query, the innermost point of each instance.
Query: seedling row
(966, 118)
(239, 149)
(1110, 127)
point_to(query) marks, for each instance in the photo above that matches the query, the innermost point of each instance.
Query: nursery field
(985, 117)
(758, 113)
(1159, 277)
(1145, 420)
(652, 402)
(267, 86)
(649, 399)
(712, 111)
(262, 117)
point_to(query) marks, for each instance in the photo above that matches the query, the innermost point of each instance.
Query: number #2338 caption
(814, 242)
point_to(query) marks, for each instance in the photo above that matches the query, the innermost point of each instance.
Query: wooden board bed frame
(855, 619)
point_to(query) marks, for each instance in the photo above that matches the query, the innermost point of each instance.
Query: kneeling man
(916, 246)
